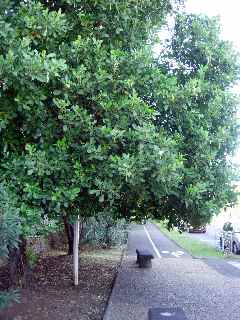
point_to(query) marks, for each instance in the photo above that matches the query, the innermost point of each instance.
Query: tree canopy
(92, 122)
(202, 112)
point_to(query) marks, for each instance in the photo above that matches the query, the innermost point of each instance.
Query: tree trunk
(28, 277)
(70, 235)
(17, 260)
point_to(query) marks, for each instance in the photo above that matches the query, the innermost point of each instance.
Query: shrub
(104, 231)
(9, 235)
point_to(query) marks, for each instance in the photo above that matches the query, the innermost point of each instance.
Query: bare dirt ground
(52, 296)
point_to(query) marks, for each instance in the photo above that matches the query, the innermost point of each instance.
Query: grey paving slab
(199, 289)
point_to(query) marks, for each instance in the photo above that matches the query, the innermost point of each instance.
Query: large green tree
(191, 90)
(76, 137)
(91, 122)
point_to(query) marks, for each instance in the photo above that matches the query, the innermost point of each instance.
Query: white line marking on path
(175, 254)
(152, 243)
(180, 252)
(165, 252)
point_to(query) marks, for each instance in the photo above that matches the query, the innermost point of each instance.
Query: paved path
(202, 288)
(148, 236)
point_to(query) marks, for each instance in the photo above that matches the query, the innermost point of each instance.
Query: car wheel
(234, 248)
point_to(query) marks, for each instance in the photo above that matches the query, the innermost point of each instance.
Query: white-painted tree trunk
(75, 251)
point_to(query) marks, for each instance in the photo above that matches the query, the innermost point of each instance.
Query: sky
(229, 13)
(228, 10)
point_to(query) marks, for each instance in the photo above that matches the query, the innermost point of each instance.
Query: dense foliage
(91, 122)
(202, 112)
(104, 231)
(76, 138)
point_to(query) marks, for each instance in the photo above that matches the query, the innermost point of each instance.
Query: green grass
(194, 247)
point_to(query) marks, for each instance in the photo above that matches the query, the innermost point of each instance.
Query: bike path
(149, 237)
(190, 284)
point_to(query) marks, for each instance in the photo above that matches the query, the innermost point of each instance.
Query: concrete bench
(166, 314)
(144, 258)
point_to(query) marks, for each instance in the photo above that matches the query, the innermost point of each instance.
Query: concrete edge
(106, 309)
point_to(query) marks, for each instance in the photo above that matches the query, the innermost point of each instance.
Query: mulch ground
(52, 296)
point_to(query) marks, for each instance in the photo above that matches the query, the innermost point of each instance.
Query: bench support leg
(145, 263)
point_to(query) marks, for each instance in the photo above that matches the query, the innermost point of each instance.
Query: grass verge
(193, 247)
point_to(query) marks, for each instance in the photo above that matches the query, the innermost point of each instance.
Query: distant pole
(75, 251)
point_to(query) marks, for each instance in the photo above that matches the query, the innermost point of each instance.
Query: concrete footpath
(200, 287)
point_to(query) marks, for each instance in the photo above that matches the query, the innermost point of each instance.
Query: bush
(9, 234)
(104, 231)
(7, 297)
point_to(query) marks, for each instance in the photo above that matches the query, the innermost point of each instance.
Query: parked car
(233, 227)
(200, 229)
